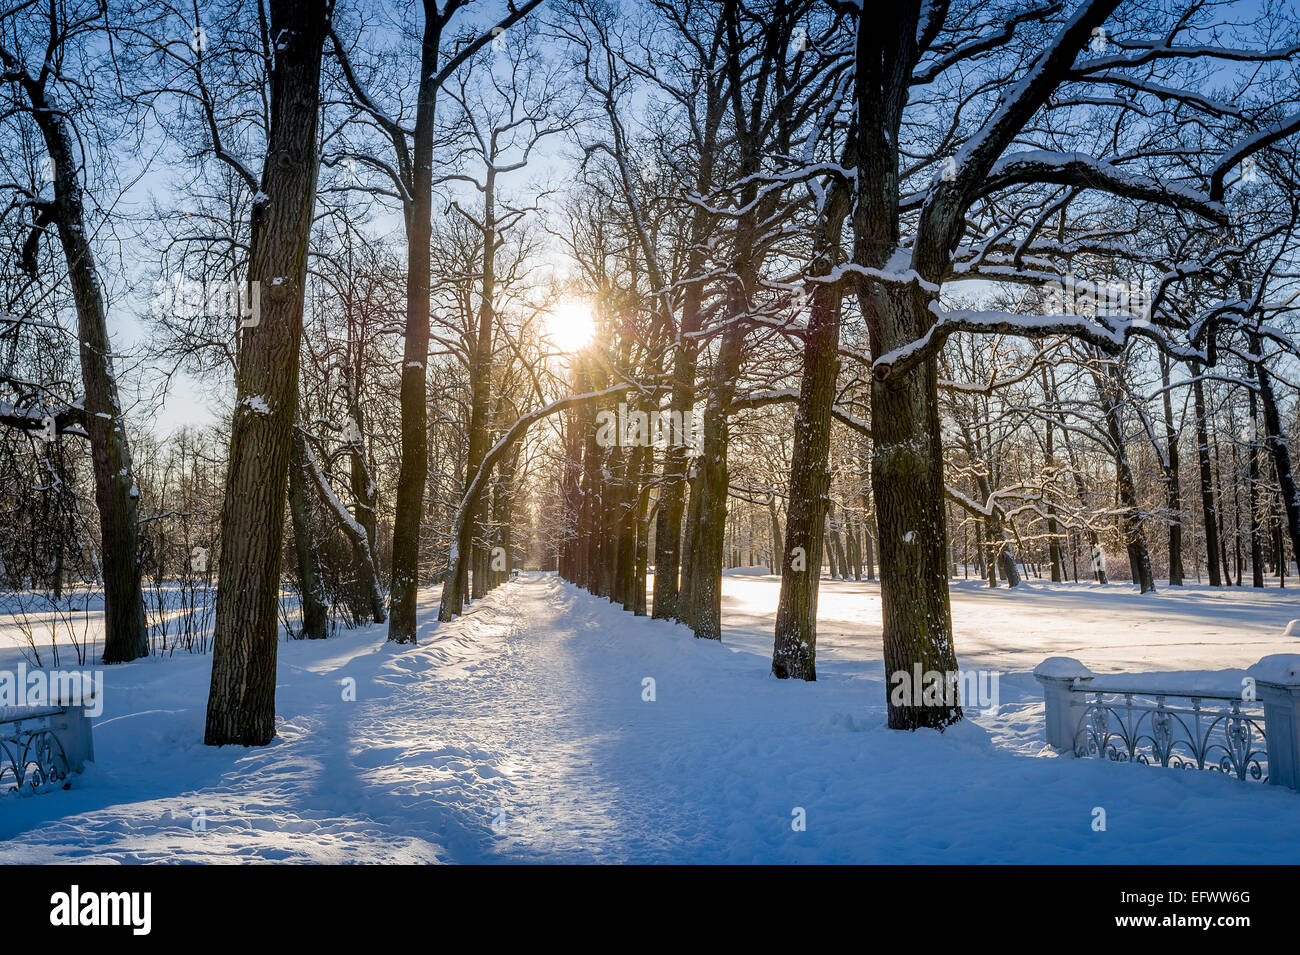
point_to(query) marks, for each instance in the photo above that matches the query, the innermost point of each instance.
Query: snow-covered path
(520, 732)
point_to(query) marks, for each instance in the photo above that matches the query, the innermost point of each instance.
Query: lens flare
(571, 325)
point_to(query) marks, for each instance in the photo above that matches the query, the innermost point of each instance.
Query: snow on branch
(993, 506)
(350, 525)
(1107, 332)
(1151, 50)
(895, 272)
(1248, 146)
(1082, 170)
(1025, 98)
(931, 71)
(68, 419)
(759, 399)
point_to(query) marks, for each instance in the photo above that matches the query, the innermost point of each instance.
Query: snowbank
(547, 725)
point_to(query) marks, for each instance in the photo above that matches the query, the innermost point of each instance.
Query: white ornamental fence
(1251, 730)
(40, 746)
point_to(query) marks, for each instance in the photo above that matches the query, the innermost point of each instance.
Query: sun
(571, 325)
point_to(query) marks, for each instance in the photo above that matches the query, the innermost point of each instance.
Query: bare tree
(409, 176)
(241, 702)
(44, 51)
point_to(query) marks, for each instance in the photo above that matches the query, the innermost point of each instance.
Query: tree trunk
(570, 547)
(1173, 491)
(314, 612)
(480, 383)
(1001, 553)
(828, 548)
(1007, 559)
(774, 527)
(713, 484)
(594, 497)
(868, 537)
(672, 500)
(408, 510)
(1276, 443)
(1209, 516)
(837, 542)
(626, 516)
(1049, 463)
(1130, 516)
(1252, 497)
(126, 632)
(241, 702)
(476, 484)
(641, 517)
(503, 510)
(907, 477)
(363, 496)
(1094, 543)
(852, 545)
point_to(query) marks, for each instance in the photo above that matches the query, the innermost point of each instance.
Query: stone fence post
(72, 727)
(1065, 705)
(1277, 679)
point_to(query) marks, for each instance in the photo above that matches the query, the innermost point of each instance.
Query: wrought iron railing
(31, 756)
(1215, 732)
(1250, 733)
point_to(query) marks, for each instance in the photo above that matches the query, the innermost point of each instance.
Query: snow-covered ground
(520, 732)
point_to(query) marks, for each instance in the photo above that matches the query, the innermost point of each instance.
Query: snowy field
(519, 733)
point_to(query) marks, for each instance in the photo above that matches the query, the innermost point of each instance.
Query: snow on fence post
(1277, 679)
(1065, 708)
(72, 727)
(41, 744)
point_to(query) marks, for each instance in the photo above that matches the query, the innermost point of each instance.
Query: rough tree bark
(794, 651)
(1275, 442)
(241, 701)
(1208, 510)
(314, 613)
(126, 634)
(1173, 492)
(480, 383)
(417, 161)
(672, 501)
(907, 459)
(1053, 529)
(713, 482)
(1252, 496)
(641, 517)
(414, 468)
(684, 612)
(1130, 518)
